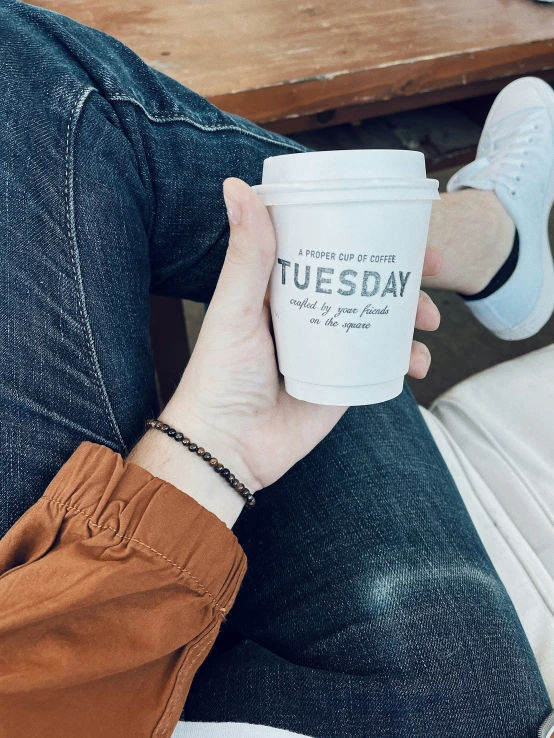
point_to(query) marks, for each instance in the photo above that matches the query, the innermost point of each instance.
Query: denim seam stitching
(200, 126)
(38, 407)
(136, 540)
(74, 251)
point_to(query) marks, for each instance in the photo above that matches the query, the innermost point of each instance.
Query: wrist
(212, 438)
(173, 463)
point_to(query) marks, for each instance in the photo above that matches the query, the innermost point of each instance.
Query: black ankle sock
(501, 276)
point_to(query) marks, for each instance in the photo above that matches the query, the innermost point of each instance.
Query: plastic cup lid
(333, 176)
(359, 164)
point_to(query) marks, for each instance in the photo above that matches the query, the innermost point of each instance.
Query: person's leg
(474, 234)
(515, 163)
(88, 129)
(370, 606)
(111, 177)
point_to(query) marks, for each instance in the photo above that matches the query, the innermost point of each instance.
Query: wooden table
(295, 64)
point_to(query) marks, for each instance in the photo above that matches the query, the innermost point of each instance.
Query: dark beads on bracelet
(216, 465)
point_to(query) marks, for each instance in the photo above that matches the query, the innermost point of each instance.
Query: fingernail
(234, 209)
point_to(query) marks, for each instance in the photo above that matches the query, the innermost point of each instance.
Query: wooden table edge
(293, 106)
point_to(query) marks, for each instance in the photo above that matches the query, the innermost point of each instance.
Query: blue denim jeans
(370, 606)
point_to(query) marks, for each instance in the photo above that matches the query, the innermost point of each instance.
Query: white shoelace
(505, 151)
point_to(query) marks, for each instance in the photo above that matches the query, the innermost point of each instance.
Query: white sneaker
(515, 158)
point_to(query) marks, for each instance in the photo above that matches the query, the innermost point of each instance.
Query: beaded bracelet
(206, 456)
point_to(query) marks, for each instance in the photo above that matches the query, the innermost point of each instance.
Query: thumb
(250, 255)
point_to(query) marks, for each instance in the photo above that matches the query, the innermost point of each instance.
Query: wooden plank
(270, 61)
(378, 108)
(407, 79)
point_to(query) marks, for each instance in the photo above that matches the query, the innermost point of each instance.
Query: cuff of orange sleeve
(152, 516)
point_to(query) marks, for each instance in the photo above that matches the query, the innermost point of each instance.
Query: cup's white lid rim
(346, 184)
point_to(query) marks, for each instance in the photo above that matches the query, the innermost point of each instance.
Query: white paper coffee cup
(351, 231)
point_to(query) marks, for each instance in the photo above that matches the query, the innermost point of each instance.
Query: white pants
(496, 433)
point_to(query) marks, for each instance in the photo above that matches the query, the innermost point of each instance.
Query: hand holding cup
(232, 397)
